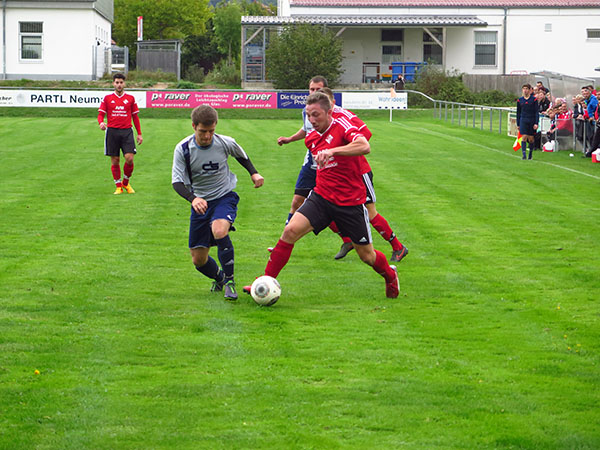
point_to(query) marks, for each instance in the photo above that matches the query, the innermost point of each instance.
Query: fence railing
(472, 115)
(576, 135)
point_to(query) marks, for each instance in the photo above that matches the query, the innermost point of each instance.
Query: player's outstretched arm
(300, 134)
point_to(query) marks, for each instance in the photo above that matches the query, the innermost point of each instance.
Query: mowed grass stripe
(100, 295)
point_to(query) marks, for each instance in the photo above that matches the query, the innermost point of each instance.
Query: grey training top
(210, 170)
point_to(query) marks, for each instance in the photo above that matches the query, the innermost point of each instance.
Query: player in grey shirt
(201, 175)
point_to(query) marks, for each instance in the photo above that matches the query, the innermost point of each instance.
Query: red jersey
(362, 128)
(120, 110)
(340, 179)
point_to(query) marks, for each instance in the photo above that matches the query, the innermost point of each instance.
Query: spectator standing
(578, 109)
(591, 104)
(399, 83)
(543, 106)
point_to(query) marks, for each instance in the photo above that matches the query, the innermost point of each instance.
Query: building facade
(55, 40)
(486, 37)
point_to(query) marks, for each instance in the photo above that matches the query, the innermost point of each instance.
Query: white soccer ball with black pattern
(265, 290)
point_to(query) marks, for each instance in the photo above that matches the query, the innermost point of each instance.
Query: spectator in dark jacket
(578, 109)
(399, 83)
(543, 105)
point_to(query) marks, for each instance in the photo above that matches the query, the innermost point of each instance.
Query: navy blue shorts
(220, 208)
(527, 128)
(307, 180)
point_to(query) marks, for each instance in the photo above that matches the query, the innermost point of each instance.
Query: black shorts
(352, 221)
(118, 139)
(526, 128)
(368, 181)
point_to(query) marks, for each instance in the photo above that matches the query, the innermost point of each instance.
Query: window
(485, 48)
(396, 35)
(30, 40)
(593, 33)
(432, 52)
(391, 53)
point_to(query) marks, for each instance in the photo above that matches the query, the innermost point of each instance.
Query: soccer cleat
(217, 286)
(344, 249)
(230, 292)
(247, 289)
(118, 191)
(128, 188)
(392, 288)
(397, 255)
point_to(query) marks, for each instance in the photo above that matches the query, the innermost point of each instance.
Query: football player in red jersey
(379, 222)
(121, 109)
(339, 195)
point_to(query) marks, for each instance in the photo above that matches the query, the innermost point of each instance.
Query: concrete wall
(70, 39)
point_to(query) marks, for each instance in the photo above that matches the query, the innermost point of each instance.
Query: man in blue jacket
(591, 103)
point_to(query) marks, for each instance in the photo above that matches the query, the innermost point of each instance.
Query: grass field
(493, 343)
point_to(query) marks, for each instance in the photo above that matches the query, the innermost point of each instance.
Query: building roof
(449, 3)
(450, 20)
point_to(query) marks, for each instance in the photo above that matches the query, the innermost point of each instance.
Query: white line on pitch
(498, 151)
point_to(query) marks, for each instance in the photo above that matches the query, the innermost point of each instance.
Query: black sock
(226, 255)
(210, 269)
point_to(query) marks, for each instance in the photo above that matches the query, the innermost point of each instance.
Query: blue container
(407, 69)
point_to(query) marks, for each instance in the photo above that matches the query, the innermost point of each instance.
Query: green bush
(186, 85)
(223, 73)
(494, 98)
(145, 75)
(195, 74)
(449, 87)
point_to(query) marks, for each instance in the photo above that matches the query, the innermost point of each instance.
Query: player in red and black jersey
(121, 109)
(339, 195)
(399, 251)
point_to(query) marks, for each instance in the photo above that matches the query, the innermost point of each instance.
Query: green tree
(163, 19)
(300, 52)
(227, 27)
(200, 51)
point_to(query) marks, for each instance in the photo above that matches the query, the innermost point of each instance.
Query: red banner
(186, 99)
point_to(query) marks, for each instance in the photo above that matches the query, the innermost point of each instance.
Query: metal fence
(162, 55)
(475, 116)
(564, 134)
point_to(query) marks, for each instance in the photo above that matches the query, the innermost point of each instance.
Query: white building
(487, 37)
(55, 40)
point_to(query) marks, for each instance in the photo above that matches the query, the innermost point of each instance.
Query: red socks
(127, 170)
(116, 173)
(384, 229)
(382, 267)
(279, 258)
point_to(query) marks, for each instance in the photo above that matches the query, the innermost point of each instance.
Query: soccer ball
(265, 290)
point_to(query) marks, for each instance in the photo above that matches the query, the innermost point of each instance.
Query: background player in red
(339, 194)
(120, 108)
(379, 222)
